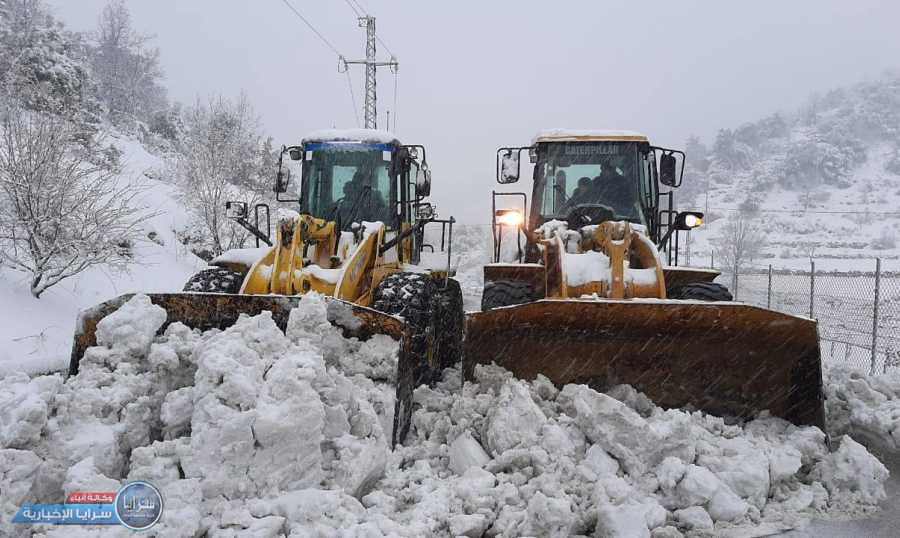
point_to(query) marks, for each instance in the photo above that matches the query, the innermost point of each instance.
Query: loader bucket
(727, 359)
(206, 311)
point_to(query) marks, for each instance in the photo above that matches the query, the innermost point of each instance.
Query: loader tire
(434, 313)
(451, 318)
(702, 291)
(215, 280)
(506, 293)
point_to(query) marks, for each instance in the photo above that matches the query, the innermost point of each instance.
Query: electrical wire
(311, 27)
(352, 96)
(366, 13)
(396, 83)
(358, 14)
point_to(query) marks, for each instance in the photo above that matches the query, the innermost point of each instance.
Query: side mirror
(296, 154)
(688, 220)
(282, 178)
(508, 167)
(423, 181)
(668, 170)
(425, 211)
(236, 210)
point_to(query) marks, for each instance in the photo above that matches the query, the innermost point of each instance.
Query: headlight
(510, 217)
(688, 220)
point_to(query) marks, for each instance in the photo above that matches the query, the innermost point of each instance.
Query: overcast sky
(476, 75)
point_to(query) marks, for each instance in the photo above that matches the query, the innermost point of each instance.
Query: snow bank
(865, 407)
(191, 412)
(254, 432)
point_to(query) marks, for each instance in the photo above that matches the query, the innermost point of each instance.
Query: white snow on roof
(575, 134)
(373, 136)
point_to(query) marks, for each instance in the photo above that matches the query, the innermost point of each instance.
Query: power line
(352, 96)
(366, 13)
(396, 82)
(383, 45)
(358, 14)
(311, 27)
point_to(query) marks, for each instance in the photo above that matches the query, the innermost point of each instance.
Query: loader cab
(356, 176)
(587, 177)
(591, 182)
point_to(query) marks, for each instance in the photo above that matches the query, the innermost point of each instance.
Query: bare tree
(739, 241)
(222, 156)
(61, 210)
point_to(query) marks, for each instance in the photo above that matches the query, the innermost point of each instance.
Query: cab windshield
(348, 182)
(579, 176)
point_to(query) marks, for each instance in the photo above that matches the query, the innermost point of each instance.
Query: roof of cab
(364, 136)
(588, 135)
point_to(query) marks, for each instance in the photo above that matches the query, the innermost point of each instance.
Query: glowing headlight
(510, 218)
(692, 221)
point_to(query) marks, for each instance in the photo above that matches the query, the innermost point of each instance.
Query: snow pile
(556, 463)
(865, 407)
(254, 432)
(244, 413)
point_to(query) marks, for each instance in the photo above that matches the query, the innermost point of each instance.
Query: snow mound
(254, 432)
(865, 407)
(212, 419)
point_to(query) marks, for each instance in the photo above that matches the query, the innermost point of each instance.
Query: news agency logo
(138, 505)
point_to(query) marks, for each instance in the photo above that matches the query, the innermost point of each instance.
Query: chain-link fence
(858, 311)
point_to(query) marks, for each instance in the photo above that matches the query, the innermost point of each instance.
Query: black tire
(432, 339)
(702, 291)
(452, 321)
(435, 314)
(506, 293)
(215, 280)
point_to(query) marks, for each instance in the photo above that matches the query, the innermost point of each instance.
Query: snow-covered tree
(61, 209)
(41, 65)
(222, 156)
(127, 71)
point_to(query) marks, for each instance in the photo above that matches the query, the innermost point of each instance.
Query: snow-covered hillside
(36, 334)
(824, 181)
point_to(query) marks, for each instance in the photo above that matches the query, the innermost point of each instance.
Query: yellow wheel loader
(585, 288)
(356, 234)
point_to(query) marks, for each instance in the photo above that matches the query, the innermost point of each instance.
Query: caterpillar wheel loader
(356, 234)
(584, 288)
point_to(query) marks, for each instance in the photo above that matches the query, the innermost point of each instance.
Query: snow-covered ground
(255, 432)
(36, 334)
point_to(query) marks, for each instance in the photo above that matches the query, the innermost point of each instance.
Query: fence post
(875, 316)
(812, 286)
(769, 294)
(712, 259)
(734, 281)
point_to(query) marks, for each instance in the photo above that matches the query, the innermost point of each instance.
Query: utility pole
(370, 106)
